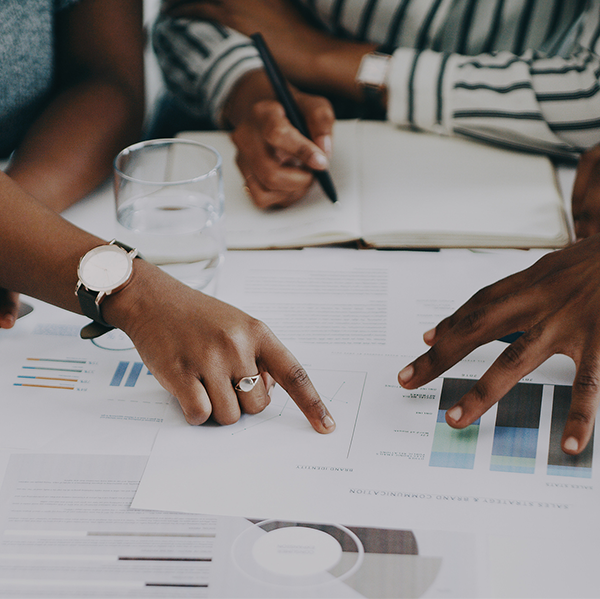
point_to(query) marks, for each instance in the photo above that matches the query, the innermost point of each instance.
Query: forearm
(253, 87)
(69, 150)
(202, 82)
(40, 253)
(40, 250)
(329, 68)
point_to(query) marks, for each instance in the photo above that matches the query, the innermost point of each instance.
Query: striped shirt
(518, 72)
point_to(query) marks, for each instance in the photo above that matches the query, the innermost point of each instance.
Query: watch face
(373, 70)
(105, 268)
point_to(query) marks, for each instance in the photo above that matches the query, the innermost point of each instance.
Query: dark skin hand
(275, 159)
(556, 303)
(585, 200)
(197, 347)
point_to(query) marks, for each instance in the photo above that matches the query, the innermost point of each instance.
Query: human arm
(97, 108)
(556, 302)
(275, 159)
(519, 97)
(226, 77)
(196, 346)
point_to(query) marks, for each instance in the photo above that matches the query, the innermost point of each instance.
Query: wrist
(336, 68)
(128, 309)
(250, 89)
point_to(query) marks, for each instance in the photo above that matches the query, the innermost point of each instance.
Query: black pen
(291, 108)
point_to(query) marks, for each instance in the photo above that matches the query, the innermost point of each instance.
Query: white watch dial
(105, 268)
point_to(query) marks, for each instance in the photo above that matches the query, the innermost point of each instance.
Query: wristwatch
(371, 77)
(104, 270)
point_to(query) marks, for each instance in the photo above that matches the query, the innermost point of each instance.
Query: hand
(9, 308)
(198, 349)
(585, 200)
(556, 302)
(275, 159)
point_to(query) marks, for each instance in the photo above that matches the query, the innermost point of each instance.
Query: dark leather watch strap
(87, 302)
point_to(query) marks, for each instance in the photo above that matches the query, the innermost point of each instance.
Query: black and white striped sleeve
(201, 62)
(545, 102)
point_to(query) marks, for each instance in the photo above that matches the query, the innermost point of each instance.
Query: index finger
(291, 375)
(281, 135)
(489, 322)
(508, 289)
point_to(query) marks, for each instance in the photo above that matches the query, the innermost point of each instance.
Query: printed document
(392, 461)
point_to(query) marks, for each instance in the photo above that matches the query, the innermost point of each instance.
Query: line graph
(340, 390)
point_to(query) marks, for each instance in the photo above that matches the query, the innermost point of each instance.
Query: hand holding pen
(276, 160)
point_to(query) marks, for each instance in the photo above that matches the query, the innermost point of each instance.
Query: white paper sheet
(61, 393)
(389, 463)
(66, 531)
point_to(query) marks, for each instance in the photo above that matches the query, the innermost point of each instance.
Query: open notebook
(403, 189)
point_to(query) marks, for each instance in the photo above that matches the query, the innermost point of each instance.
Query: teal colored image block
(454, 448)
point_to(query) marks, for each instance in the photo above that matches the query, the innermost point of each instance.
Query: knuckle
(195, 414)
(582, 415)
(277, 132)
(258, 405)
(298, 377)
(271, 180)
(478, 395)
(323, 113)
(483, 295)
(227, 418)
(586, 384)
(512, 357)
(471, 323)
(432, 357)
(260, 330)
(267, 111)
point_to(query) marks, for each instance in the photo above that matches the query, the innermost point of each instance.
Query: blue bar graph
(134, 374)
(119, 374)
(517, 427)
(453, 448)
(121, 371)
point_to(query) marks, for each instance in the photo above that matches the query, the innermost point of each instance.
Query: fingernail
(8, 321)
(455, 413)
(571, 444)
(327, 144)
(318, 161)
(429, 335)
(328, 422)
(406, 374)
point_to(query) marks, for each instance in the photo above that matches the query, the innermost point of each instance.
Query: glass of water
(169, 201)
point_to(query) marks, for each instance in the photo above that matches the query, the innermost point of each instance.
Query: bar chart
(122, 369)
(50, 373)
(559, 463)
(453, 448)
(516, 430)
(519, 438)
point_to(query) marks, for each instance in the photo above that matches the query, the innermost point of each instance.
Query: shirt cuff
(418, 89)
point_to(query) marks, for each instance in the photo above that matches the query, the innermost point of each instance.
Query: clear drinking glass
(169, 202)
